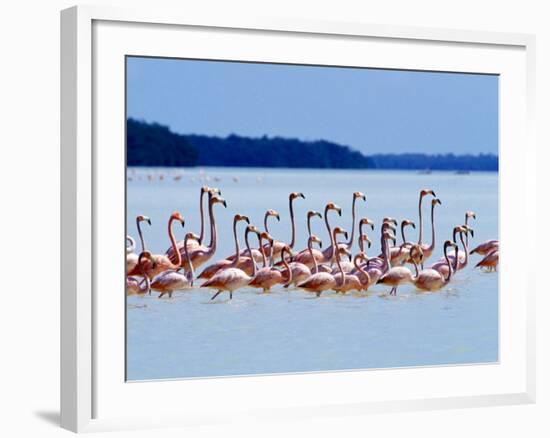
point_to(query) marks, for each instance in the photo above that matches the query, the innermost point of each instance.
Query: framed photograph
(280, 218)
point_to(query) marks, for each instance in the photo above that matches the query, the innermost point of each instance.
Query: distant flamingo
(133, 284)
(209, 271)
(161, 262)
(430, 279)
(233, 278)
(270, 213)
(201, 254)
(400, 254)
(490, 261)
(168, 282)
(442, 266)
(396, 275)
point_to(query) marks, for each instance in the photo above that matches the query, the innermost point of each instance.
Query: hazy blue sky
(369, 110)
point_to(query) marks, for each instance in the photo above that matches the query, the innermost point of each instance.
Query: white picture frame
(93, 396)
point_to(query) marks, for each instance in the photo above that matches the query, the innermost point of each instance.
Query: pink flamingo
(257, 254)
(463, 231)
(199, 255)
(363, 276)
(161, 262)
(233, 278)
(304, 257)
(169, 281)
(428, 249)
(300, 271)
(400, 254)
(490, 261)
(431, 279)
(133, 284)
(279, 245)
(328, 253)
(424, 192)
(209, 271)
(486, 247)
(345, 282)
(396, 275)
(356, 196)
(268, 276)
(132, 258)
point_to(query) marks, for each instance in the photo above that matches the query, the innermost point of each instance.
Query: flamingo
(490, 261)
(304, 257)
(270, 213)
(400, 254)
(279, 245)
(139, 220)
(233, 278)
(363, 276)
(428, 250)
(318, 281)
(356, 196)
(328, 252)
(131, 256)
(130, 245)
(161, 262)
(169, 281)
(268, 276)
(209, 271)
(201, 254)
(133, 284)
(486, 247)
(300, 271)
(396, 275)
(431, 279)
(196, 247)
(345, 281)
(211, 191)
(256, 253)
(423, 193)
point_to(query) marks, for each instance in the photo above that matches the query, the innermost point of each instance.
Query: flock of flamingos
(274, 262)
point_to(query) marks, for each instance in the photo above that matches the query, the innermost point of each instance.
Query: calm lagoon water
(288, 331)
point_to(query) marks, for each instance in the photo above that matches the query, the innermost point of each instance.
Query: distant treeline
(155, 145)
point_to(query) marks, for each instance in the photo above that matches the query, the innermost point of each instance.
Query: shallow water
(289, 330)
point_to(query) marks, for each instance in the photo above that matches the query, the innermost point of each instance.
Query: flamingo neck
(403, 233)
(293, 237)
(138, 223)
(432, 246)
(213, 231)
(465, 247)
(287, 267)
(387, 255)
(310, 248)
(201, 203)
(309, 226)
(360, 268)
(142, 270)
(189, 262)
(247, 242)
(174, 244)
(262, 250)
(337, 255)
(352, 235)
(237, 249)
(265, 223)
(329, 234)
(449, 265)
(420, 220)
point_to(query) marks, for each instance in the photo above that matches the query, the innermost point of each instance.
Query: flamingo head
(312, 213)
(295, 195)
(315, 239)
(470, 214)
(449, 243)
(389, 236)
(273, 213)
(204, 189)
(142, 218)
(333, 206)
(147, 255)
(218, 200)
(357, 195)
(362, 256)
(214, 191)
(344, 251)
(390, 220)
(176, 216)
(366, 221)
(252, 229)
(240, 217)
(436, 201)
(340, 230)
(192, 236)
(264, 235)
(466, 229)
(416, 253)
(388, 226)
(365, 238)
(425, 192)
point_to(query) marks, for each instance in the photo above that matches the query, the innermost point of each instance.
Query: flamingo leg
(216, 294)
(161, 294)
(230, 294)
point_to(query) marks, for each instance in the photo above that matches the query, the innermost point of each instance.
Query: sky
(370, 110)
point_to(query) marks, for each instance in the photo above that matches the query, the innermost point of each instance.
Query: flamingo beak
(345, 234)
(246, 219)
(301, 195)
(224, 203)
(278, 217)
(437, 200)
